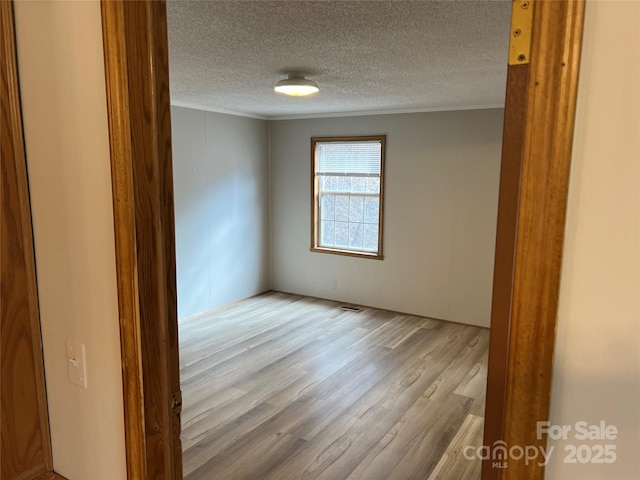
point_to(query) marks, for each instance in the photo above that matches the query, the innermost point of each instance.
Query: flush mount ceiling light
(296, 85)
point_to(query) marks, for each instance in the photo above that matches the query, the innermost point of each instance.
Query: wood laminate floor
(281, 387)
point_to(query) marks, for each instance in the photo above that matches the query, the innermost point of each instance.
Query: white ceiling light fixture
(296, 85)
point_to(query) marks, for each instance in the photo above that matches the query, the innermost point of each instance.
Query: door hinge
(176, 402)
(521, 26)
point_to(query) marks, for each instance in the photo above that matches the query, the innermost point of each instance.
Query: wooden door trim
(137, 79)
(534, 184)
(14, 161)
(539, 122)
(125, 237)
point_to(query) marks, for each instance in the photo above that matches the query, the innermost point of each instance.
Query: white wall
(441, 194)
(220, 165)
(60, 59)
(597, 361)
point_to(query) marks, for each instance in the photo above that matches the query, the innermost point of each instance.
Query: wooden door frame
(539, 120)
(137, 81)
(536, 157)
(26, 443)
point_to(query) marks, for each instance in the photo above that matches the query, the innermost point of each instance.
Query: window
(348, 186)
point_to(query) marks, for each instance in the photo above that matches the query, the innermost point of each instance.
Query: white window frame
(316, 224)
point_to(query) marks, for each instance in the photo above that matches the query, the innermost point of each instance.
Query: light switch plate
(76, 364)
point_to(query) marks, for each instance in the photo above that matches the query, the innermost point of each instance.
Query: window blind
(348, 158)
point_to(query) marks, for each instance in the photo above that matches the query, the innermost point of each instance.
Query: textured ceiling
(366, 56)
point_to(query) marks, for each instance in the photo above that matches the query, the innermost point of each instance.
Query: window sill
(349, 253)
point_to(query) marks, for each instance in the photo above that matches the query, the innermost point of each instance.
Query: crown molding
(360, 113)
(384, 112)
(195, 106)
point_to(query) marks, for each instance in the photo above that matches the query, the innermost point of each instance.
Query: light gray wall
(221, 185)
(441, 195)
(596, 371)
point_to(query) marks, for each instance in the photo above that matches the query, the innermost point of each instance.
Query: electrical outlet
(76, 364)
(334, 284)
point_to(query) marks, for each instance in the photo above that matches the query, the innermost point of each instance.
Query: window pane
(373, 185)
(355, 235)
(356, 209)
(371, 209)
(342, 234)
(327, 207)
(358, 184)
(344, 184)
(327, 236)
(329, 184)
(342, 208)
(370, 237)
